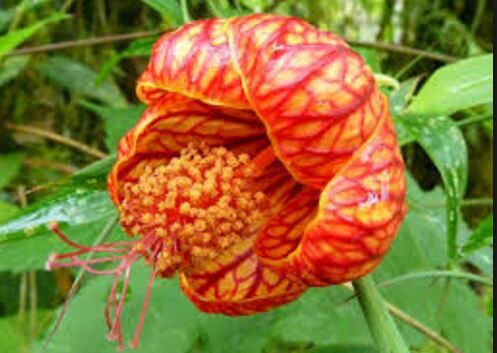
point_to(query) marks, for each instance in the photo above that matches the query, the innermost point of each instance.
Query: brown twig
(406, 318)
(135, 35)
(49, 135)
(434, 336)
(405, 50)
(82, 42)
(42, 163)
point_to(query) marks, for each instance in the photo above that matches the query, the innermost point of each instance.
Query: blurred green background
(67, 76)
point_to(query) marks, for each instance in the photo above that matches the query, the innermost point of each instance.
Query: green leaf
(11, 336)
(95, 172)
(80, 205)
(15, 38)
(10, 165)
(36, 250)
(24, 6)
(321, 318)
(455, 87)
(444, 143)
(344, 349)
(170, 10)
(402, 96)
(183, 327)
(482, 237)
(223, 9)
(137, 48)
(257, 5)
(7, 211)
(117, 121)
(370, 56)
(79, 78)
(11, 67)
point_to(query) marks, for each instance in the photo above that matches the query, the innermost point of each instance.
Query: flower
(266, 162)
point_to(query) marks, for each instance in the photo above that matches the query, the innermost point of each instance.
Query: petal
(169, 125)
(194, 61)
(282, 234)
(237, 283)
(360, 211)
(316, 96)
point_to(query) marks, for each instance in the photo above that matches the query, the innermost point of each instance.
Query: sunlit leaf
(7, 211)
(257, 5)
(37, 249)
(455, 87)
(13, 39)
(80, 205)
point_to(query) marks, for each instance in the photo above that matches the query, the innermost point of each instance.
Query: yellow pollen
(199, 203)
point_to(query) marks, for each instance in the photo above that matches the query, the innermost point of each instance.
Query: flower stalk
(383, 329)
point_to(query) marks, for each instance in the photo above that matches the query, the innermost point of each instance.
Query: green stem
(383, 329)
(184, 10)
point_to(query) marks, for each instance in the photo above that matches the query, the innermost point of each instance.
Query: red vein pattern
(307, 110)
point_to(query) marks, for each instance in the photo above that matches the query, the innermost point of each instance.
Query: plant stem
(57, 138)
(184, 10)
(383, 329)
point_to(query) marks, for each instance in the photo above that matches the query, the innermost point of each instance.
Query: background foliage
(439, 271)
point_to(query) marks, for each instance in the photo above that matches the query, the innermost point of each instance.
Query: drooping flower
(266, 162)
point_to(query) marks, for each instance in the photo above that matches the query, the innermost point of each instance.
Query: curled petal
(360, 211)
(237, 283)
(315, 96)
(282, 234)
(194, 61)
(168, 126)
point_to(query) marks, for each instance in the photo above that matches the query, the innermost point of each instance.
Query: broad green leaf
(79, 78)
(11, 67)
(170, 10)
(137, 48)
(80, 205)
(455, 87)
(321, 318)
(11, 336)
(483, 236)
(344, 349)
(10, 165)
(7, 211)
(13, 39)
(444, 143)
(183, 327)
(257, 5)
(95, 172)
(32, 253)
(117, 121)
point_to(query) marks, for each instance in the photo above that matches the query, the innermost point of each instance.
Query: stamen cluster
(196, 206)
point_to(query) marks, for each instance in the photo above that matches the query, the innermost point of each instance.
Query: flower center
(195, 206)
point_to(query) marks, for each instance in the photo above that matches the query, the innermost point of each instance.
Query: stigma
(192, 208)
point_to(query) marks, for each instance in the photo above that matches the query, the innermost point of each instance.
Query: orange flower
(265, 163)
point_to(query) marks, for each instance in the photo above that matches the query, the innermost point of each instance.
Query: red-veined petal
(169, 125)
(237, 283)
